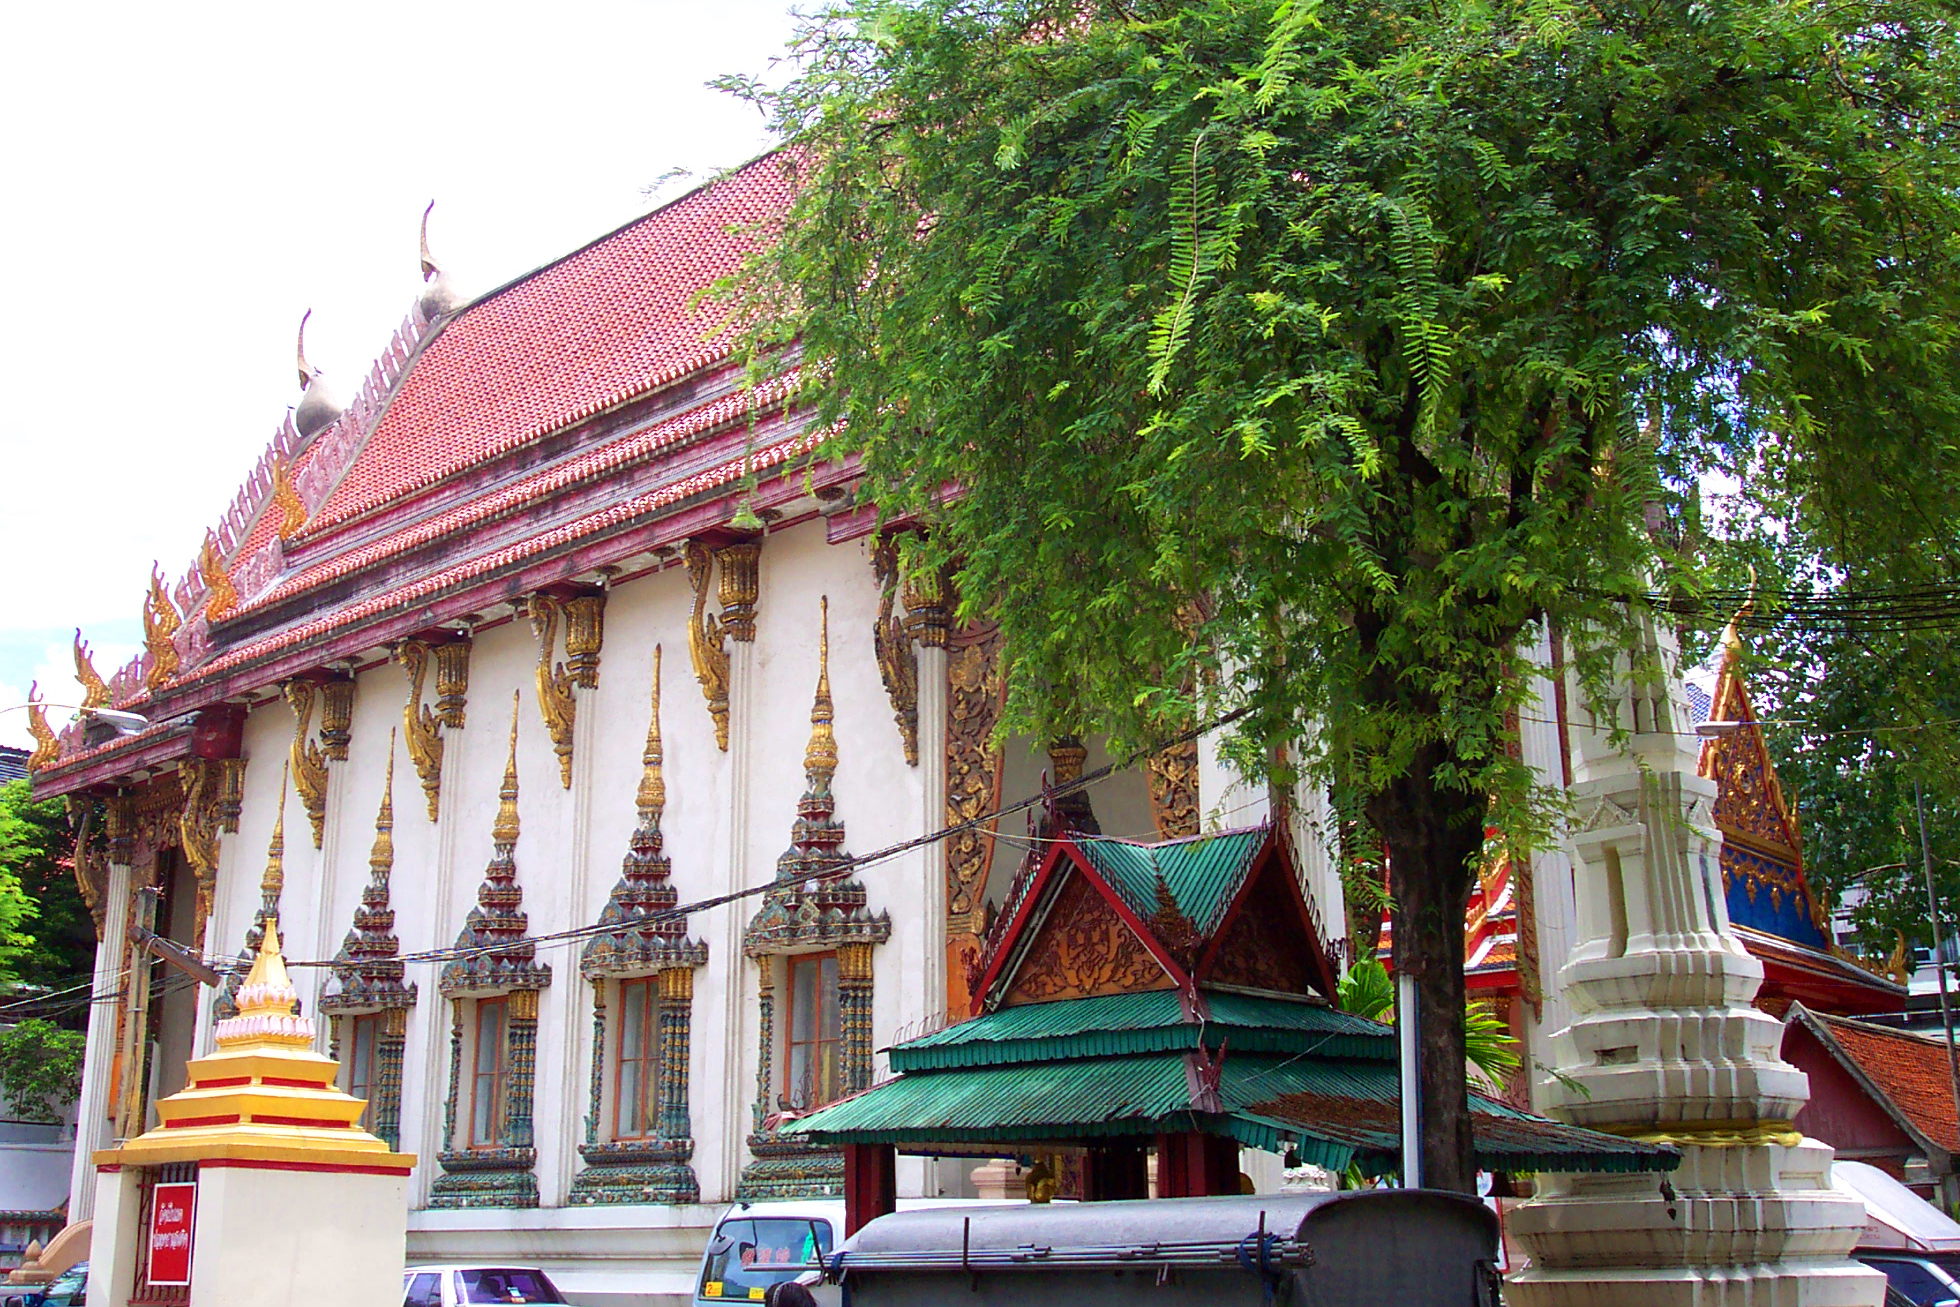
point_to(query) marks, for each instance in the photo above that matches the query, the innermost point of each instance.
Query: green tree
(1341, 347)
(46, 937)
(40, 1068)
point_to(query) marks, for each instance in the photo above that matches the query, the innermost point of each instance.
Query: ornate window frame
(810, 908)
(642, 944)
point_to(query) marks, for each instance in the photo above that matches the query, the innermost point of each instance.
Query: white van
(755, 1245)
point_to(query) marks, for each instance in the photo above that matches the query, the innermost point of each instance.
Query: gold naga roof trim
(264, 1096)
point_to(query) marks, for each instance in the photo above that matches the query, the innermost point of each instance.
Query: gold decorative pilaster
(221, 597)
(898, 661)
(585, 633)
(336, 717)
(929, 606)
(95, 694)
(198, 826)
(974, 695)
(555, 700)
(309, 760)
(1174, 790)
(231, 793)
(740, 585)
(452, 682)
(160, 623)
(705, 645)
(421, 725)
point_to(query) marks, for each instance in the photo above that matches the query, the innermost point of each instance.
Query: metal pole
(1409, 1045)
(1939, 931)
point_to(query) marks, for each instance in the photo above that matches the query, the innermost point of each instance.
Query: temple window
(359, 1047)
(636, 1061)
(490, 1074)
(814, 1031)
(639, 1143)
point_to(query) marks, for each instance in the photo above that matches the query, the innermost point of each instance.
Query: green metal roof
(1203, 873)
(1331, 1111)
(1154, 1021)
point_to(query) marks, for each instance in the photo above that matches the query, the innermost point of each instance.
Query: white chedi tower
(1664, 1045)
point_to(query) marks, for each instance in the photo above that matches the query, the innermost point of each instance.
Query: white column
(1663, 1043)
(93, 1115)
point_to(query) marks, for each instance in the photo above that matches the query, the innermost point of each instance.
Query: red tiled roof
(1909, 1069)
(614, 320)
(528, 490)
(432, 583)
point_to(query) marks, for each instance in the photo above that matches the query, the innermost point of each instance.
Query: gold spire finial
(821, 756)
(653, 784)
(95, 694)
(505, 830)
(1731, 638)
(274, 879)
(46, 747)
(383, 855)
(268, 1005)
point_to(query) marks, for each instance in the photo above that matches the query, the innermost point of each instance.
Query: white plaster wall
(248, 1249)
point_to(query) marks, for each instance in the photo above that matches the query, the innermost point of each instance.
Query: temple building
(553, 627)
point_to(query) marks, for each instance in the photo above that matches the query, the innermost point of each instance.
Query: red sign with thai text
(173, 1208)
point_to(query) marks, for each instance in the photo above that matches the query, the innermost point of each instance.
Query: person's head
(788, 1294)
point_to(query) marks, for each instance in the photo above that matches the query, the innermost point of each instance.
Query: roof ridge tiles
(524, 489)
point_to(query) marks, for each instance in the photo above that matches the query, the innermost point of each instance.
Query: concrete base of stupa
(1738, 1225)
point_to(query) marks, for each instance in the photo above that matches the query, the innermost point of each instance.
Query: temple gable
(1083, 949)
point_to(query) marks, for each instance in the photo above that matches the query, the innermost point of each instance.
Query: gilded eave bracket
(583, 618)
(423, 724)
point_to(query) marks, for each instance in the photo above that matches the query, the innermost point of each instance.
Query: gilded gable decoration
(47, 747)
(368, 975)
(160, 624)
(898, 662)
(974, 765)
(308, 758)
(422, 724)
(642, 942)
(498, 961)
(221, 597)
(583, 619)
(812, 907)
(286, 501)
(95, 694)
(199, 824)
(706, 647)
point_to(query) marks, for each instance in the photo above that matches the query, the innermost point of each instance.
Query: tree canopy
(1345, 347)
(46, 937)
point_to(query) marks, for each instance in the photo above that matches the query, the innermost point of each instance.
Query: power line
(839, 872)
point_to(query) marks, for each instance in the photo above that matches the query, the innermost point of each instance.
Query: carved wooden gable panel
(1264, 945)
(1750, 802)
(1083, 949)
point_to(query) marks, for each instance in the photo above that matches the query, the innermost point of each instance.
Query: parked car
(464, 1286)
(1919, 1279)
(755, 1245)
(69, 1289)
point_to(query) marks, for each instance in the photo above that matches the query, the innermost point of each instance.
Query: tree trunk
(1434, 837)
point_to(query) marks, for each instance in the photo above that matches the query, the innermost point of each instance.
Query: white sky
(186, 180)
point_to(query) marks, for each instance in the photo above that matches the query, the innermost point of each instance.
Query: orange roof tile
(609, 322)
(1912, 1070)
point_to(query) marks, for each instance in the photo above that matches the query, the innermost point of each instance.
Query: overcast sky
(186, 180)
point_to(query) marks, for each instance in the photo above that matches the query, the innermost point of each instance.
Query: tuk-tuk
(1372, 1248)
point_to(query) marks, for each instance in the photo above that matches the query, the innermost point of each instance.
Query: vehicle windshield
(750, 1254)
(507, 1285)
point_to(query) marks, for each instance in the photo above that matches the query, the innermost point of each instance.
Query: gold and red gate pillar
(259, 1188)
